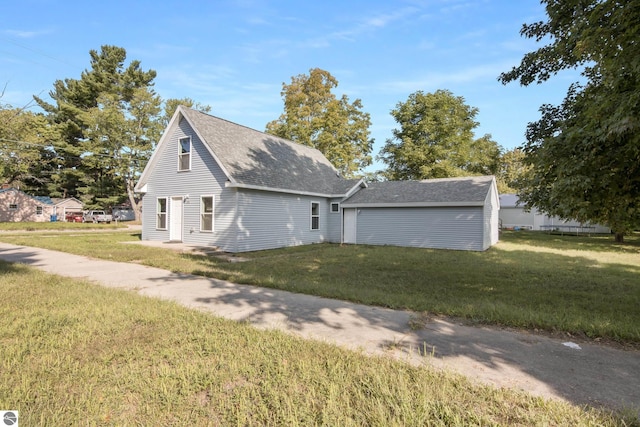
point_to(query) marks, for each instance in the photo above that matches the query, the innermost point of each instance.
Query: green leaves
(436, 140)
(313, 116)
(585, 154)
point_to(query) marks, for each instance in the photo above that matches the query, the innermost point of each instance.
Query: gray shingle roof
(254, 158)
(436, 192)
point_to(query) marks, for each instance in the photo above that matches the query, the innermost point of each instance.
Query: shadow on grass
(593, 375)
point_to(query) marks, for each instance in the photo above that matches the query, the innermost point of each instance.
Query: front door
(175, 219)
(349, 225)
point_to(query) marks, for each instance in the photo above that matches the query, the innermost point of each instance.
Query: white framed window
(315, 216)
(38, 210)
(335, 207)
(13, 206)
(161, 213)
(206, 213)
(184, 154)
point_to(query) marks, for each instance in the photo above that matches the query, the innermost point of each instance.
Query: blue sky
(235, 55)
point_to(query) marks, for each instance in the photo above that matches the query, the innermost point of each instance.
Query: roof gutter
(412, 204)
(229, 184)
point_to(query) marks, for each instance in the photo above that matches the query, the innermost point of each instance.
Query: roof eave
(230, 184)
(142, 182)
(412, 205)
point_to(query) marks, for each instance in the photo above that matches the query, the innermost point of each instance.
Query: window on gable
(206, 213)
(38, 210)
(184, 156)
(13, 207)
(161, 214)
(335, 207)
(315, 216)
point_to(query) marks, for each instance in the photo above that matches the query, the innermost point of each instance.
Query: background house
(514, 216)
(211, 182)
(17, 206)
(64, 207)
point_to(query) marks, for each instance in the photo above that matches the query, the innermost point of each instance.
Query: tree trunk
(619, 237)
(136, 205)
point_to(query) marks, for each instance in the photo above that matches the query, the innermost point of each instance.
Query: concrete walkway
(580, 373)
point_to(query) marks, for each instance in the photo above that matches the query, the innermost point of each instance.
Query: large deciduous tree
(313, 116)
(435, 139)
(512, 169)
(585, 153)
(25, 159)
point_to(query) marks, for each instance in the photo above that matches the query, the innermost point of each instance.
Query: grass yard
(586, 286)
(73, 353)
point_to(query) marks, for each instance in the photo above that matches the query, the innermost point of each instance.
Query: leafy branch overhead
(584, 155)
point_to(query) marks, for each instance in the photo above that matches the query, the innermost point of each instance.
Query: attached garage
(451, 213)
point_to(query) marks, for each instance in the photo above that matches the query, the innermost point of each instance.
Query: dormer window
(184, 154)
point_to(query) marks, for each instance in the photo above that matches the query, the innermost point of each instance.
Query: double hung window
(206, 213)
(161, 214)
(184, 154)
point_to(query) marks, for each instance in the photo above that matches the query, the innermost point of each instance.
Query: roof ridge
(309, 147)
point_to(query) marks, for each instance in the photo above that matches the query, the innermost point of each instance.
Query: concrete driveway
(576, 372)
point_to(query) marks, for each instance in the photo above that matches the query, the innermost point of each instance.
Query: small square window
(335, 207)
(13, 207)
(38, 210)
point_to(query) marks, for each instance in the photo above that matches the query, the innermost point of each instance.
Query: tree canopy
(435, 139)
(25, 156)
(313, 116)
(109, 121)
(585, 153)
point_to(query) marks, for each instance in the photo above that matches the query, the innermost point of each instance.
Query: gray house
(211, 182)
(451, 213)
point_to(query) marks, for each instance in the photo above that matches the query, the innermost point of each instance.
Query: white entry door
(175, 219)
(349, 225)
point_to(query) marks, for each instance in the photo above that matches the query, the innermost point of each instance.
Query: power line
(36, 144)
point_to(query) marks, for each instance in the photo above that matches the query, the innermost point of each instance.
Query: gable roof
(43, 200)
(466, 191)
(254, 159)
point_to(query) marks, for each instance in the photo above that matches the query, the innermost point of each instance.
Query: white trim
(166, 211)
(176, 218)
(165, 139)
(412, 205)
(331, 208)
(181, 154)
(350, 226)
(312, 216)
(213, 210)
(360, 184)
(281, 190)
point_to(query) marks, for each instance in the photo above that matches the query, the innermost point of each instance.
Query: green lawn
(76, 354)
(588, 286)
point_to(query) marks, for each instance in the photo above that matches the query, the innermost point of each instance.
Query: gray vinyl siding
(443, 228)
(268, 220)
(204, 178)
(334, 223)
